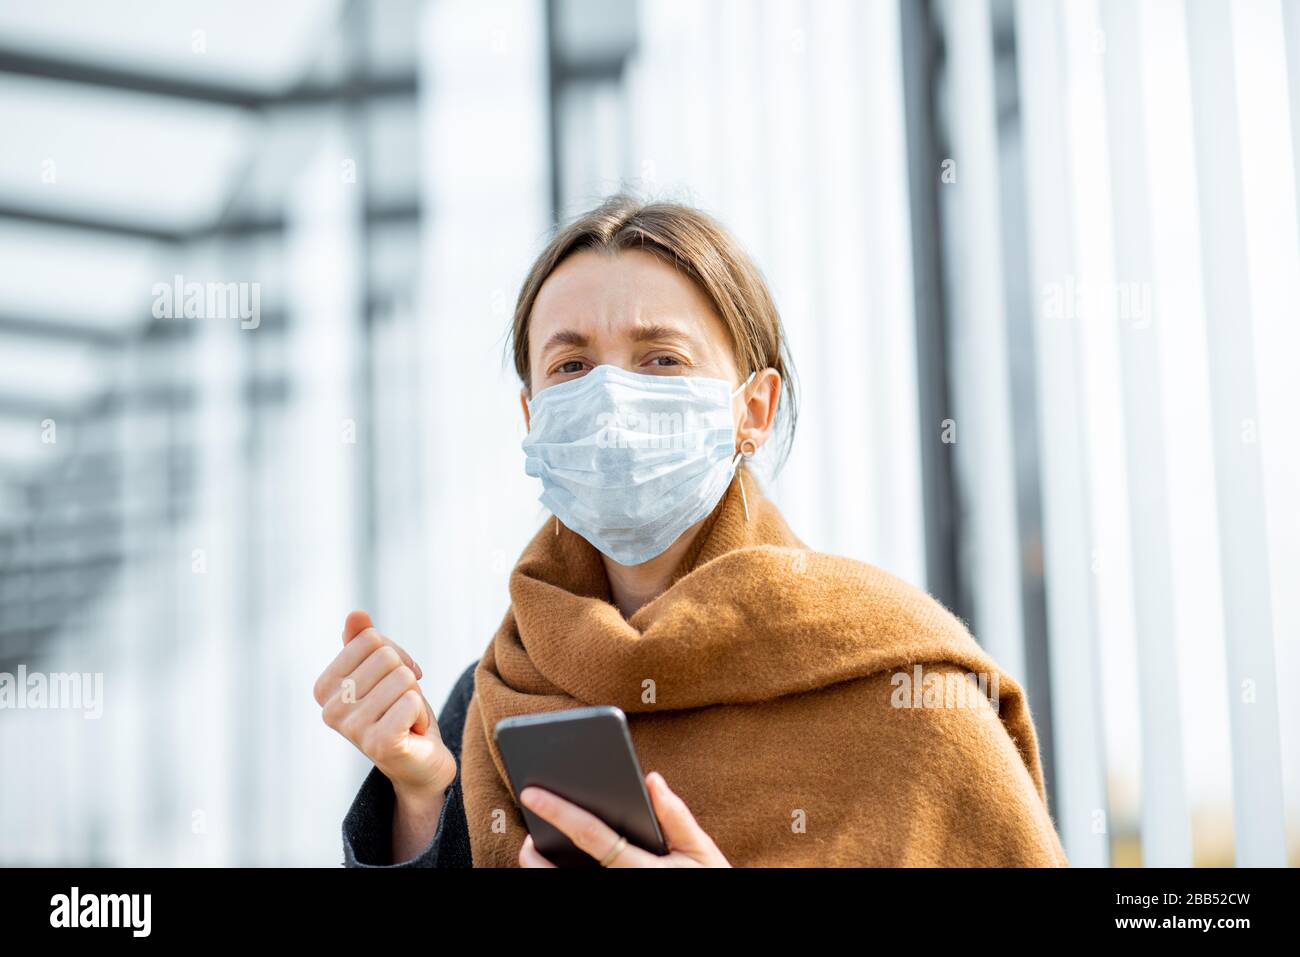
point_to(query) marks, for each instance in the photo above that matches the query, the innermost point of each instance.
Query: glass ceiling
(159, 39)
(126, 125)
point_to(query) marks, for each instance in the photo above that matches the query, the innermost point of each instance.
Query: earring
(748, 453)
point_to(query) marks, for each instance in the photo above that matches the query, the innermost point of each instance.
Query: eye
(568, 368)
(665, 362)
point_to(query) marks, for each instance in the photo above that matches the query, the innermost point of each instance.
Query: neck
(632, 586)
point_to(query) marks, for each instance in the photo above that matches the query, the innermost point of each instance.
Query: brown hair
(695, 244)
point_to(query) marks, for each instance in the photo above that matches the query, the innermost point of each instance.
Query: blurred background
(1037, 259)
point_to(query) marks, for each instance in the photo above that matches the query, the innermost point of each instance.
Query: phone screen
(585, 755)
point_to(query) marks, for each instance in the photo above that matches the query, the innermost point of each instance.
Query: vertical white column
(1291, 21)
(978, 349)
(1273, 244)
(1090, 300)
(888, 248)
(1165, 822)
(199, 570)
(1282, 341)
(1077, 718)
(315, 773)
(400, 492)
(792, 268)
(131, 676)
(845, 361)
(740, 126)
(1243, 541)
(485, 193)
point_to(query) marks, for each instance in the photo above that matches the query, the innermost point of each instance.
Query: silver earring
(748, 453)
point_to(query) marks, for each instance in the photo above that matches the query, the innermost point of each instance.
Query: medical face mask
(631, 461)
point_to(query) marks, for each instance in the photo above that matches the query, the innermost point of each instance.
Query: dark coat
(368, 826)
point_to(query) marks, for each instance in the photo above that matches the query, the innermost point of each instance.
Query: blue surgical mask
(631, 461)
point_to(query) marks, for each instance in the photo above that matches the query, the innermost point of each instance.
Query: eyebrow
(647, 332)
(566, 337)
(657, 331)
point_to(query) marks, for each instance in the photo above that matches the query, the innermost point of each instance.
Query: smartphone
(584, 755)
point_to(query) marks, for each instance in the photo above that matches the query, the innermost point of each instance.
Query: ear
(758, 416)
(523, 401)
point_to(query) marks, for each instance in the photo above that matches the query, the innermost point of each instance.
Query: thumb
(355, 624)
(425, 720)
(679, 826)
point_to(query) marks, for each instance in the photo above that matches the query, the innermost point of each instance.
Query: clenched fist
(370, 695)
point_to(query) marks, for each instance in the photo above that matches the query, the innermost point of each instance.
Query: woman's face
(635, 311)
(632, 310)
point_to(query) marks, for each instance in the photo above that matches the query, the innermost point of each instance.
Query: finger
(382, 662)
(529, 856)
(346, 662)
(354, 689)
(588, 832)
(359, 622)
(370, 708)
(401, 652)
(681, 830)
(406, 659)
(354, 624)
(400, 717)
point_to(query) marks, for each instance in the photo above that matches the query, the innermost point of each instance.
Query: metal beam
(118, 228)
(366, 519)
(19, 63)
(237, 227)
(241, 227)
(564, 71)
(55, 330)
(554, 86)
(921, 58)
(1077, 715)
(604, 69)
(1024, 384)
(26, 407)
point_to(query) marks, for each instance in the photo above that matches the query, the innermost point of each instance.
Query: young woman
(796, 708)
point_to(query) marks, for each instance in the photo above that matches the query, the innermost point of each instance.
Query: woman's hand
(688, 845)
(370, 695)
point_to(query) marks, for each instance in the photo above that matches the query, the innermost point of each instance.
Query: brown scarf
(810, 710)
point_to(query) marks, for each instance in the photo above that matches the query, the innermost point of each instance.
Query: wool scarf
(810, 710)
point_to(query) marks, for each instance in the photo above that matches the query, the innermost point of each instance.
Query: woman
(807, 709)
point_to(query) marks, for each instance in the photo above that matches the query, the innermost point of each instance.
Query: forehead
(596, 293)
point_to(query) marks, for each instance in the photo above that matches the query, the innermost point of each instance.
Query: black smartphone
(584, 755)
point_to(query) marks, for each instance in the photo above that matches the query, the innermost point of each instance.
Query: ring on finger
(614, 852)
